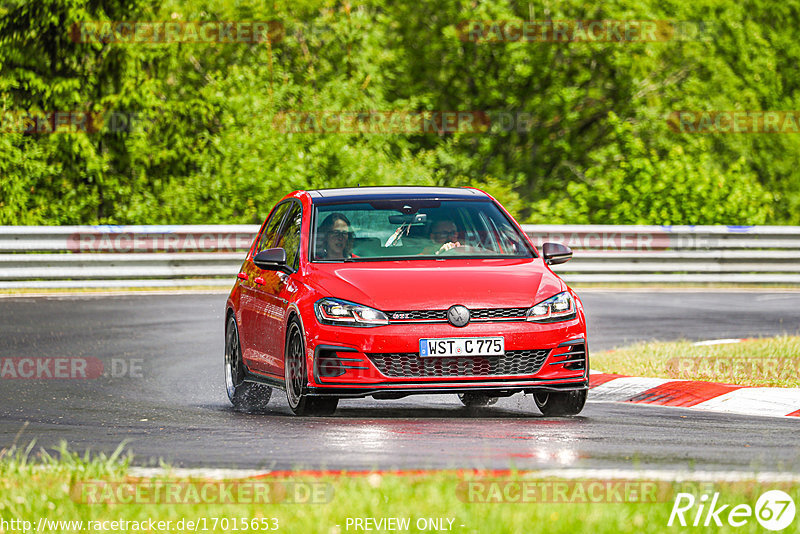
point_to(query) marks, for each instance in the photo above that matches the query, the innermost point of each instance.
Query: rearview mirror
(417, 218)
(555, 253)
(272, 259)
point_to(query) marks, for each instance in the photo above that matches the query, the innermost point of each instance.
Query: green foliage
(631, 184)
(205, 147)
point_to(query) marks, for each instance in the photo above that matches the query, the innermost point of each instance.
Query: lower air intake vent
(410, 365)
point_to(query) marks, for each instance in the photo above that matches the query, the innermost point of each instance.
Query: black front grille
(498, 313)
(418, 315)
(410, 365)
(479, 314)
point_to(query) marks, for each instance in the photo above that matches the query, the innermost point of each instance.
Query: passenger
(336, 238)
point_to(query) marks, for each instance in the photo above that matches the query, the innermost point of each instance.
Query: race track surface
(175, 407)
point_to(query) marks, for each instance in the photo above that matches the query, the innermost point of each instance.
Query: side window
(289, 238)
(271, 228)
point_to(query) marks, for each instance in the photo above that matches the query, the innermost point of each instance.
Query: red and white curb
(694, 394)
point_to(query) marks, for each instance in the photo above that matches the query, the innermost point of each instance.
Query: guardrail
(194, 255)
(676, 254)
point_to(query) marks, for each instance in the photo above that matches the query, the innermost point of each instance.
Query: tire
(245, 396)
(474, 400)
(296, 377)
(561, 403)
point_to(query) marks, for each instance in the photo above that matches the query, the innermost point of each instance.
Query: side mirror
(555, 253)
(272, 259)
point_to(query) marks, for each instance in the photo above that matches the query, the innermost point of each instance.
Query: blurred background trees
(203, 146)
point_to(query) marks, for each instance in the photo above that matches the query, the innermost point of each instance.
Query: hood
(431, 284)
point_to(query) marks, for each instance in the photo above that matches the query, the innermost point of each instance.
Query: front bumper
(342, 360)
(395, 391)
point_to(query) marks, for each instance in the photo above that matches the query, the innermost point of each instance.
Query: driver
(443, 236)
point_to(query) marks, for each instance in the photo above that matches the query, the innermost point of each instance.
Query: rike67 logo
(774, 510)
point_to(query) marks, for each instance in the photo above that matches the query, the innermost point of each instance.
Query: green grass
(32, 487)
(758, 362)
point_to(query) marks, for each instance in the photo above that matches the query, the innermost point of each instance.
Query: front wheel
(297, 378)
(245, 396)
(560, 403)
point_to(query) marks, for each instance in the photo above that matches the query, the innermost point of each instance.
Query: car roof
(345, 194)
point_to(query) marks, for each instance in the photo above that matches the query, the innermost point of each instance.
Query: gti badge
(458, 315)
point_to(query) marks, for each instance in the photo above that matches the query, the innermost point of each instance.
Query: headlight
(557, 308)
(341, 312)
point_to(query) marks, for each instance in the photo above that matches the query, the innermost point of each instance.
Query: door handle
(258, 280)
(242, 276)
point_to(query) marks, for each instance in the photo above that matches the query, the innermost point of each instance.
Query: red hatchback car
(391, 291)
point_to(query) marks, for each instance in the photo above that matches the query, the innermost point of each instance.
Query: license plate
(461, 346)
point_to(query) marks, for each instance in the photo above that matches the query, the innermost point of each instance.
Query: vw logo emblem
(458, 315)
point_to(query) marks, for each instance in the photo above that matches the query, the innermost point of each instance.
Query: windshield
(414, 229)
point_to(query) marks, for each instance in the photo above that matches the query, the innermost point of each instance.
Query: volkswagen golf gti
(391, 291)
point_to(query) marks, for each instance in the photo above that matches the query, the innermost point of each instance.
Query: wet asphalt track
(178, 410)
